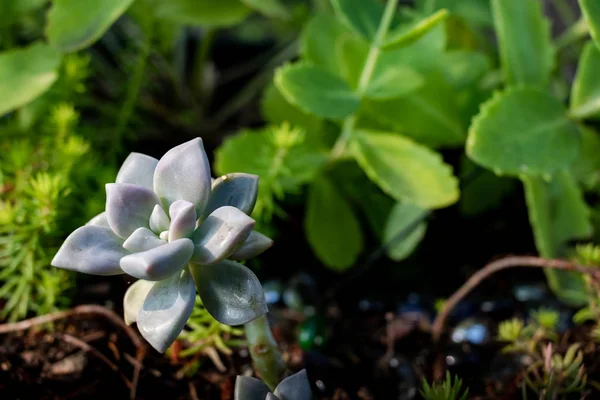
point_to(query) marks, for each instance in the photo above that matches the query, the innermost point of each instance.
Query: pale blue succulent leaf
(159, 220)
(166, 310)
(91, 249)
(142, 239)
(231, 293)
(160, 262)
(249, 388)
(128, 207)
(238, 190)
(220, 234)
(134, 298)
(183, 219)
(138, 169)
(255, 244)
(295, 387)
(183, 173)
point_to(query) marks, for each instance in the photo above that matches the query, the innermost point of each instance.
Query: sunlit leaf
(525, 43)
(591, 11)
(25, 74)
(332, 229)
(523, 131)
(558, 214)
(400, 239)
(316, 91)
(405, 170)
(429, 115)
(585, 92)
(76, 24)
(414, 30)
(362, 16)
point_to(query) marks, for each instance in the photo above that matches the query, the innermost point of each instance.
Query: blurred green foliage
(365, 105)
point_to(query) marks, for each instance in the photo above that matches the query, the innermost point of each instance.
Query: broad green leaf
(270, 8)
(262, 153)
(482, 190)
(393, 82)
(405, 170)
(586, 168)
(276, 110)
(558, 214)
(316, 91)
(75, 24)
(202, 12)
(430, 115)
(399, 243)
(524, 39)
(591, 11)
(585, 93)
(414, 30)
(424, 55)
(523, 131)
(320, 38)
(25, 74)
(331, 227)
(362, 16)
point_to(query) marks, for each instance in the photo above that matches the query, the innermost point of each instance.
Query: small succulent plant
(169, 224)
(294, 387)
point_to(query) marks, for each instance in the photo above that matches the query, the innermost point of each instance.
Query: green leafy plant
(448, 389)
(38, 197)
(363, 94)
(548, 372)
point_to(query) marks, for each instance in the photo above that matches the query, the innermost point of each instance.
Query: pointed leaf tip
(295, 387)
(160, 262)
(138, 169)
(256, 244)
(91, 249)
(183, 173)
(128, 207)
(159, 220)
(237, 190)
(166, 310)
(247, 387)
(183, 219)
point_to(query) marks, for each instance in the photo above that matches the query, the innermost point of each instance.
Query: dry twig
(499, 265)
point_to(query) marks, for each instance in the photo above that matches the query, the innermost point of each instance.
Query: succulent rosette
(294, 387)
(169, 224)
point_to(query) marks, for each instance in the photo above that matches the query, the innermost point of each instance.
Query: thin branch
(90, 349)
(499, 265)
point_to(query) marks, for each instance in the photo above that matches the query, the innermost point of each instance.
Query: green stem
(365, 76)
(575, 33)
(201, 59)
(264, 351)
(133, 91)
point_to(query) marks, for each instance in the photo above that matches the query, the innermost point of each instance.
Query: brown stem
(499, 265)
(87, 309)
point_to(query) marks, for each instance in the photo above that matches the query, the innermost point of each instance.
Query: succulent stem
(264, 351)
